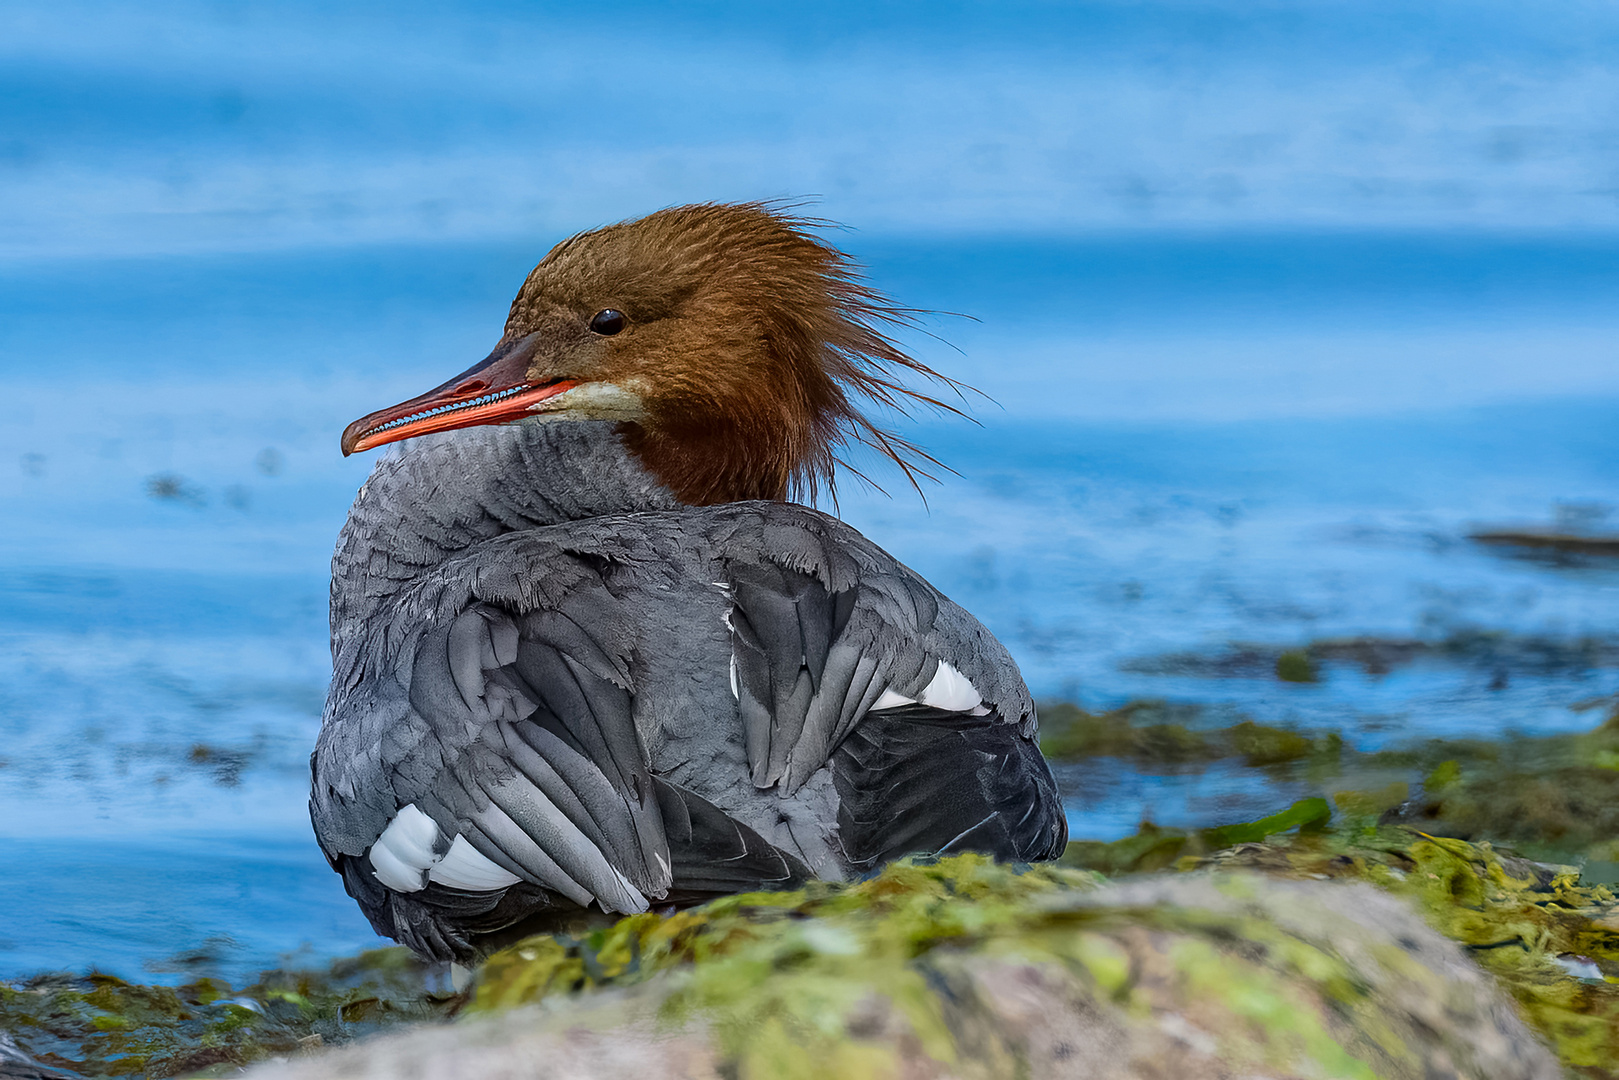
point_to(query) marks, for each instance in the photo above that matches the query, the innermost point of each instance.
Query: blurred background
(1274, 305)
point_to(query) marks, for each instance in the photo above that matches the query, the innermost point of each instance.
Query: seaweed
(1551, 940)
(1143, 731)
(1555, 797)
(100, 1025)
(1495, 651)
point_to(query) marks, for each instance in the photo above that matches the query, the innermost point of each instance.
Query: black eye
(608, 322)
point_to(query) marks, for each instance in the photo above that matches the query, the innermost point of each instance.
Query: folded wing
(485, 760)
(842, 655)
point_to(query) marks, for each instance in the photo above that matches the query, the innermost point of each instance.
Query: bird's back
(659, 706)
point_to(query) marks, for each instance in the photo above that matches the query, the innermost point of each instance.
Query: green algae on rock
(1297, 666)
(926, 962)
(964, 968)
(1153, 848)
(1495, 651)
(1550, 941)
(1556, 797)
(100, 1025)
(903, 912)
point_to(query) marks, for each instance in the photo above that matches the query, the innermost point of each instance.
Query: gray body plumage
(595, 696)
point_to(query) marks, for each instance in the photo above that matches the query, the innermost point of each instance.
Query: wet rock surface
(964, 968)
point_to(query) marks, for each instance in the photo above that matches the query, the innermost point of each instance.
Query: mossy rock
(966, 968)
(924, 968)
(961, 967)
(1550, 941)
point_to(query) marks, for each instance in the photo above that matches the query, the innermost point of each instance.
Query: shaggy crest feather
(757, 343)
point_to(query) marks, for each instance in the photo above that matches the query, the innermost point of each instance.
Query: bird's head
(734, 346)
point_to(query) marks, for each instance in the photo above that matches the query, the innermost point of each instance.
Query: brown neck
(716, 462)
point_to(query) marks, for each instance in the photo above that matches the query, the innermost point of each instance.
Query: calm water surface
(1147, 499)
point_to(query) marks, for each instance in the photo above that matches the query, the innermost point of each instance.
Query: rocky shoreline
(1359, 932)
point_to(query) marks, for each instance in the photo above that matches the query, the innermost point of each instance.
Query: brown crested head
(734, 345)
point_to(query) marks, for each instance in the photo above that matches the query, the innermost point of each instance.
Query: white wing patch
(394, 872)
(948, 690)
(891, 700)
(404, 858)
(404, 851)
(463, 867)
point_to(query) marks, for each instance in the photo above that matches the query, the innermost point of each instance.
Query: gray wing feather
(558, 845)
(754, 695)
(594, 817)
(499, 703)
(523, 855)
(594, 713)
(823, 622)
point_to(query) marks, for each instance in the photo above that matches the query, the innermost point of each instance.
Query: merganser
(587, 656)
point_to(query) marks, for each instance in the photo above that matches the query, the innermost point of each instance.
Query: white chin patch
(948, 690)
(593, 400)
(405, 858)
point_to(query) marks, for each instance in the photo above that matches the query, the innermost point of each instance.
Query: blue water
(174, 490)
(1273, 304)
(187, 125)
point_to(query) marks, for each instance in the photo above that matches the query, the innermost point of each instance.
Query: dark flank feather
(921, 780)
(715, 855)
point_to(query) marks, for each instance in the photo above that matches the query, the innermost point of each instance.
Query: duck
(594, 655)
